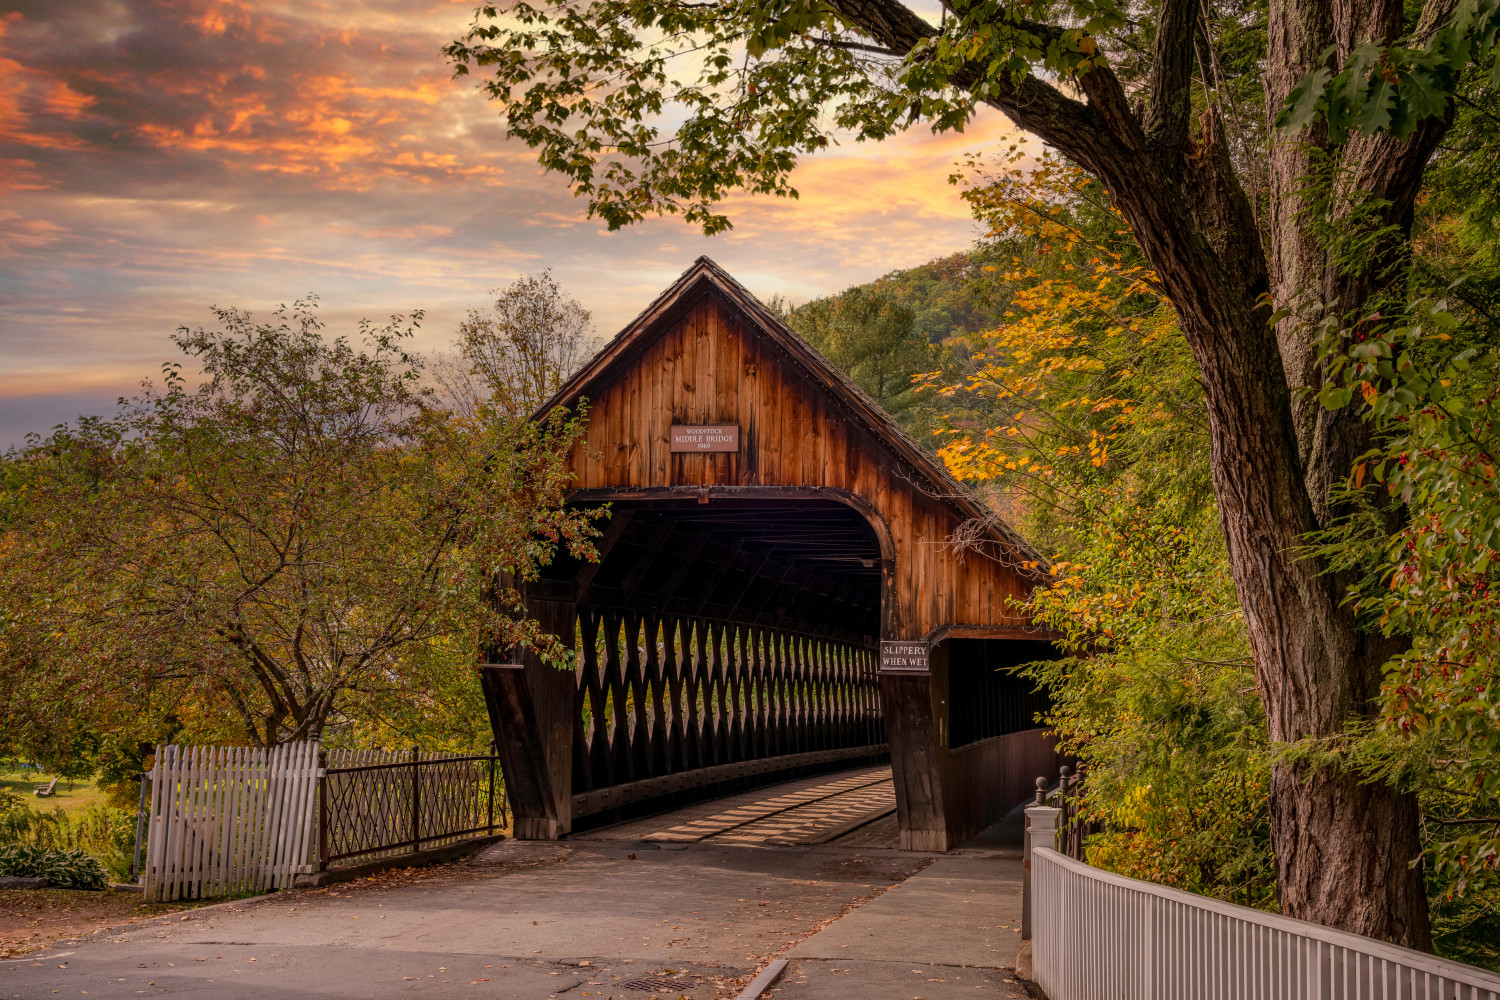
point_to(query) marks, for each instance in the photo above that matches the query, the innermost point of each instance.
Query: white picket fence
(1101, 936)
(230, 820)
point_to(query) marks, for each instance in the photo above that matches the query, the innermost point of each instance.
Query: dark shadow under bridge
(719, 647)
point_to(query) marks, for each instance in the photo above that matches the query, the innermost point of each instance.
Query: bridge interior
(810, 566)
(720, 646)
(853, 808)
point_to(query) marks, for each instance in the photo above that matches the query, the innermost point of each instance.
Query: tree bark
(1345, 851)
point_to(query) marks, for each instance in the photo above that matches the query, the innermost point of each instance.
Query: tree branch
(1171, 78)
(835, 43)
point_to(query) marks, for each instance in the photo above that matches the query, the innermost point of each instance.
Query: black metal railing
(1073, 828)
(382, 804)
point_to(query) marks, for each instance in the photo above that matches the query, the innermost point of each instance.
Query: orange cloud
(26, 93)
(159, 156)
(19, 234)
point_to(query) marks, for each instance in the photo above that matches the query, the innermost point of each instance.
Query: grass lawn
(73, 797)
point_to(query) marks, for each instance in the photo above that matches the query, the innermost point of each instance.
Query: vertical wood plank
(663, 375)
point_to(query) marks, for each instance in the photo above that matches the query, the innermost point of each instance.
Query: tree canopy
(288, 545)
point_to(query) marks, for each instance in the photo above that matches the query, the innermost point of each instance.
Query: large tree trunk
(1341, 847)
(1345, 851)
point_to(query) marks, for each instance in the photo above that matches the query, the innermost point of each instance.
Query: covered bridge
(778, 593)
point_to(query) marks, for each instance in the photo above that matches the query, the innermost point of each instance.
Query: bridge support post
(532, 707)
(913, 727)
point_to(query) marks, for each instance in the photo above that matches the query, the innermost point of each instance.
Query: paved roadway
(672, 919)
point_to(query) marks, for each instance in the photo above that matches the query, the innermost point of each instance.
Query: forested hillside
(905, 323)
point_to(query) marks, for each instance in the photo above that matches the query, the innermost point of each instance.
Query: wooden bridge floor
(854, 808)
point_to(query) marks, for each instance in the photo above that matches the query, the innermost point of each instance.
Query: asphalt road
(580, 919)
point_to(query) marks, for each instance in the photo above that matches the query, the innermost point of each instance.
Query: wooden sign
(705, 437)
(903, 657)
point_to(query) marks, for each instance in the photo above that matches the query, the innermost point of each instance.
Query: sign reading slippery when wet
(903, 657)
(705, 437)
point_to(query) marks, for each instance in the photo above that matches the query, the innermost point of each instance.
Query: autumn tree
(873, 337)
(1362, 91)
(300, 532)
(526, 345)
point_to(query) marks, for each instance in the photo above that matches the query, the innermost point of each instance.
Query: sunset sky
(158, 157)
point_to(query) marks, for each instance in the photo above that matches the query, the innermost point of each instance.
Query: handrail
(1096, 934)
(395, 806)
(420, 762)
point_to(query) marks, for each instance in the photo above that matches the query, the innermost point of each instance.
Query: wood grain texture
(709, 367)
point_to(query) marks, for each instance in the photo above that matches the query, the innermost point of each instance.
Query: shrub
(107, 834)
(73, 869)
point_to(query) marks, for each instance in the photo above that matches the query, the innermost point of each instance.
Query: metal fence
(1073, 828)
(380, 804)
(1101, 936)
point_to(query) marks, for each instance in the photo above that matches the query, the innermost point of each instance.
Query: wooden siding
(707, 367)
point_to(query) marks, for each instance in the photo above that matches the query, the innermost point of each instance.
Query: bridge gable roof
(706, 279)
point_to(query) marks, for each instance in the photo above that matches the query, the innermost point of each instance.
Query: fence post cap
(1042, 818)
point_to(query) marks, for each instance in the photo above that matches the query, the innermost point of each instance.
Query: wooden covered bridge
(778, 593)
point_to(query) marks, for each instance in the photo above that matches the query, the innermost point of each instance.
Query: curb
(765, 980)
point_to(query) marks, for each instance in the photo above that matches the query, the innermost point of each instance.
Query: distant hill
(883, 332)
(946, 295)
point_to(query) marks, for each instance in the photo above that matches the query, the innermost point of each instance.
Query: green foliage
(251, 559)
(1158, 697)
(1430, 384)
(891, 334)
(71, 869)
(1086, 375)
(521, 350)
(1418, 527)
(1082, 409)
(650, 106)
(948, 296)
(106, 834)
(874, 338)
(438, 707)
(1393, 88)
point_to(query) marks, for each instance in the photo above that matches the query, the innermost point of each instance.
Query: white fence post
(1041, 831)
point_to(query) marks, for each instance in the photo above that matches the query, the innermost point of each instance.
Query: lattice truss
(661, 694)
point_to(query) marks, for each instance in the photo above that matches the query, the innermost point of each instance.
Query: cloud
(162, 156)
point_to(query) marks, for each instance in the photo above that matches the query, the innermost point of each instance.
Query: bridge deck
(849, 808)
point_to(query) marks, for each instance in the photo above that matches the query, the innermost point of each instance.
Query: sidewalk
(951, 930)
